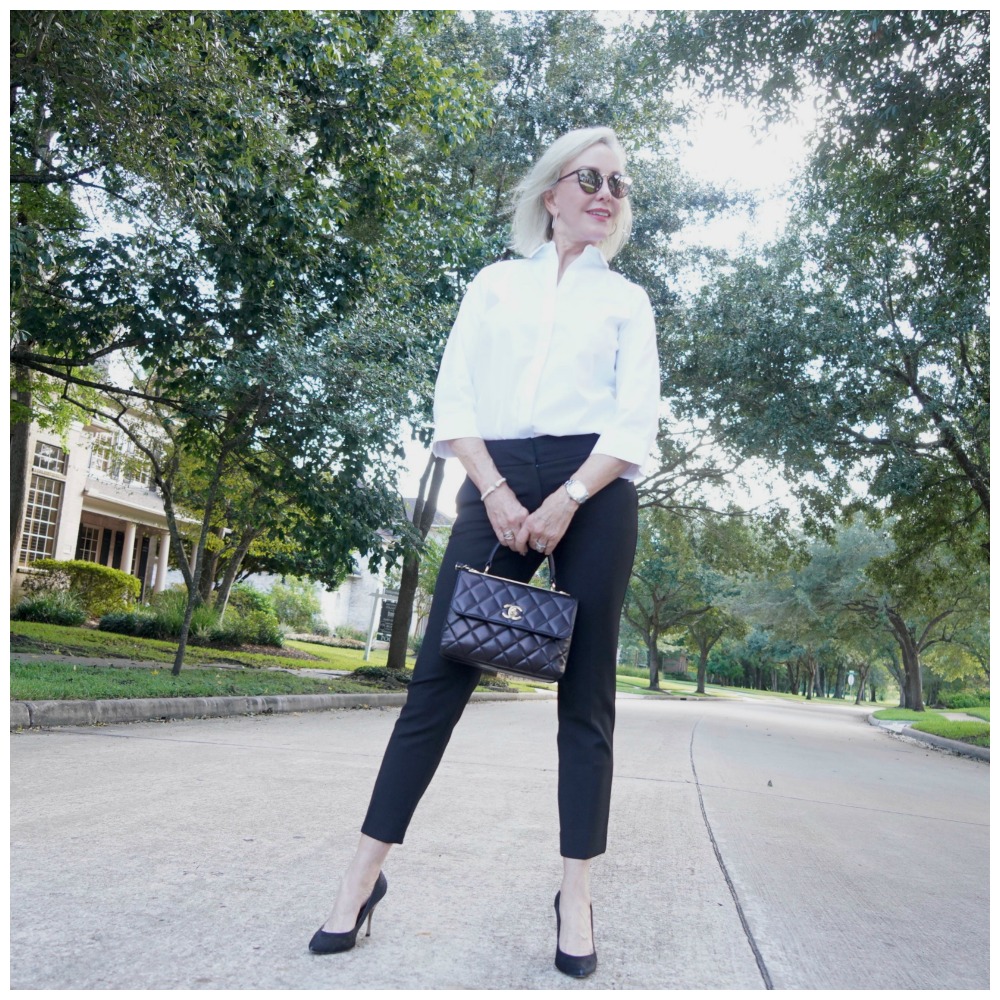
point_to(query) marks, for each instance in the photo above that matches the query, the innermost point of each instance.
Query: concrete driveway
(753, 843)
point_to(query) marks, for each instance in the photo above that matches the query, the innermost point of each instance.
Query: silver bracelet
(494, 488)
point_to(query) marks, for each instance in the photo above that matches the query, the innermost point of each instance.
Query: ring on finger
(508, 535)
(540, 546)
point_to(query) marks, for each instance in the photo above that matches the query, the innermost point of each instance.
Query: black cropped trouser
(593, 562)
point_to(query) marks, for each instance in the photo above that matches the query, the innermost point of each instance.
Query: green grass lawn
(933, 721)
(208, 671)
(32, 637)
(976, 733)
(58, 681)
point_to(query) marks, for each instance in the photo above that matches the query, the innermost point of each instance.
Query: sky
(720, 147)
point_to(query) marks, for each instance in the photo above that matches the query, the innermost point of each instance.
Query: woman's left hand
(542, 530)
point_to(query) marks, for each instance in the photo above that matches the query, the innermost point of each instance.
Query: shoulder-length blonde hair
(532, 224)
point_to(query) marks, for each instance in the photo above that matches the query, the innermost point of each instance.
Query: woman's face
(578, 217)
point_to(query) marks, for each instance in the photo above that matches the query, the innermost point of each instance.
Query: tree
(233, 294)
(545, 72)
(855, 347)
(664, 592)
(705, 631)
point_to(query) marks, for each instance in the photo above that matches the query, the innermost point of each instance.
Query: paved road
(753, 843)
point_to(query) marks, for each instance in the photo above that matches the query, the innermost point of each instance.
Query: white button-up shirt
(531, 355)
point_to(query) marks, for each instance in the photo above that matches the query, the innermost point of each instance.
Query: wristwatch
(576, 490)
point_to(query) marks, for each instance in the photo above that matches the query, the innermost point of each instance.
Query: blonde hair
(532, 224)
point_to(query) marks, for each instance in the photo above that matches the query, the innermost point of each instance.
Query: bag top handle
(551, 559)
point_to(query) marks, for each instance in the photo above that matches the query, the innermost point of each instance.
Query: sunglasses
(590, 181)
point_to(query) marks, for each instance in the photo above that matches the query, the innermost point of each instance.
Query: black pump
(330, 942)
(579, 966)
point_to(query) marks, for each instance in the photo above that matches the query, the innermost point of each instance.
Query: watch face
(577, 491)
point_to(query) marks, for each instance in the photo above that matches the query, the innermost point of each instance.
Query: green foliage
(169, 608)
(136, 623)
(296, 604)
(250, 628)
(162, 618)
(57, 607)
(854, 349)
(100, 589)
(244, 597)
(253, 190)
(383, 677)
(965, 699)
(352, 634)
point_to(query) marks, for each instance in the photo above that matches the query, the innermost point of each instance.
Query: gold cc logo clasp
(512, 613)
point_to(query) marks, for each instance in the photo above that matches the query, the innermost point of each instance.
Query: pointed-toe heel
(330, 942)
(578, 966)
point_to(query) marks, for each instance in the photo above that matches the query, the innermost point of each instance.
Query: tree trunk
(913, 685)
(423, 517)
(211, 566)
(20, 465)
(653, 656)
(232, 569)
(810, 676)
(702, 670)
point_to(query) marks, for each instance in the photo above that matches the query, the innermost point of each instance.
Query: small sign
(386, 616)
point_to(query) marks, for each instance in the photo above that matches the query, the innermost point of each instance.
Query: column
(128, 550)
(147, 583)
(162, 561)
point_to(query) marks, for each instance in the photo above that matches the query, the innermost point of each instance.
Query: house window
(117, 458)
(87, 543)
(50, 458)
(41, 519)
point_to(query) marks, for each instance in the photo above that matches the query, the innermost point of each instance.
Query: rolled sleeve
(454, 391)
(632, 432)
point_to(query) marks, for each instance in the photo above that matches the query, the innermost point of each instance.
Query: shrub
(244, 598)
(383, 677)
(963, 699)
(121, 622)
(255, 628)
(346, 632)
(59, 607)
(169, 608)
(100, 588)
(162, 619)
(296, 604)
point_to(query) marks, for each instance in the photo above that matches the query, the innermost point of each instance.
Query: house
(364, 593)
(90, 498)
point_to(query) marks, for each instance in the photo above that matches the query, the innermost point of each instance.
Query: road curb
(955, 746)
(41, 714)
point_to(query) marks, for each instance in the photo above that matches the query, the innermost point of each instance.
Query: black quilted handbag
(499, 624)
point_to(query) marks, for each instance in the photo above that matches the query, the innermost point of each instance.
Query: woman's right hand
(506, 515)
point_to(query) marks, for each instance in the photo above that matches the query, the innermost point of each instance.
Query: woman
(548, 395)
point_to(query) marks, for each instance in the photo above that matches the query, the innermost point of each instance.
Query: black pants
(593, 562)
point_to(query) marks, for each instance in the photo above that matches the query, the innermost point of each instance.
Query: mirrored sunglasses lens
(619, 185)
(590, 180)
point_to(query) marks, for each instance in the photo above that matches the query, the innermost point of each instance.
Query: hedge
(101, 589)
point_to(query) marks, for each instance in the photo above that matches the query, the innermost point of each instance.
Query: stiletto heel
(578, 966)
(330, 942)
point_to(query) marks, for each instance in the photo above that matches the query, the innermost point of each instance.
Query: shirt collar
(591, 256)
